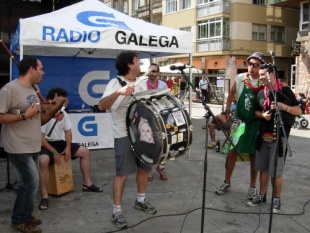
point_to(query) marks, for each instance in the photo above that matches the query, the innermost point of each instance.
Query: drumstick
(143, 77)
(51, 130)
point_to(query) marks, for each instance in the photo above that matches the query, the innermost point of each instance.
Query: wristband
(54, 152)
(23, 116)
(288, 109)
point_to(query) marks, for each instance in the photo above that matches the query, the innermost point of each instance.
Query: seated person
(53, 147)
(222, 120)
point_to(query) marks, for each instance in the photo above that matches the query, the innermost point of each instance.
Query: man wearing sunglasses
(153, 82)
(246, 87)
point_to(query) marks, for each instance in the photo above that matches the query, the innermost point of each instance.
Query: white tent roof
(92, 29)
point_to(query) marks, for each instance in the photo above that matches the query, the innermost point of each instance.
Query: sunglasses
(153, 71)
(255, 65)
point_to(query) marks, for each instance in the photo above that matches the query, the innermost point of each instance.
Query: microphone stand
(278, 123)
(207, 116)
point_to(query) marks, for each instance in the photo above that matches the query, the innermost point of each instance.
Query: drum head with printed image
(144, 132)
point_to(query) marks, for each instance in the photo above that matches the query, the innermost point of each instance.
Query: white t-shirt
(120, 106)
(58, 132)
(203, 84)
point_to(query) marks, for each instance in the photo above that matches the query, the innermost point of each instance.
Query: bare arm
(107, 102)
(293, 110)
(68, 139)
(9, 118)
(230, 97)
(48, 146)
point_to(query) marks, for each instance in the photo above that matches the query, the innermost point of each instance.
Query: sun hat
(258, 56)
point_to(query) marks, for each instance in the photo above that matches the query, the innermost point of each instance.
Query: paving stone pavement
(179, 200)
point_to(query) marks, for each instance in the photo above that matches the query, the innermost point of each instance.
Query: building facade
(301, 69)
(225, 32)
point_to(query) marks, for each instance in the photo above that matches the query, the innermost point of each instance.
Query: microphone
(173, 67)
(268, 66)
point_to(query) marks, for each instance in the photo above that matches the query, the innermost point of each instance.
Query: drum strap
(121, 82)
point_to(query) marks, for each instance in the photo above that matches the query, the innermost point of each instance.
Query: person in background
(53, 147)
(170, 83)
(307, 103)
(267, 141)
(203, 87)
(117, 98)
(175, 87)
(223, 121)
(153, 82)
(245, 88)
(21, 139)
(183, 87)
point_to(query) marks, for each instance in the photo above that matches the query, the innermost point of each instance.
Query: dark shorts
(225, 126)
(126, 161)
(264, 159)
(59, 146)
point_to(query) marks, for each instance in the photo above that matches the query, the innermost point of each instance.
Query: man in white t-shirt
(203, 86)
(57, 142)
(117, 97)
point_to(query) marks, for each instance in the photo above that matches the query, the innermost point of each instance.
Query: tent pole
(21, 55)
(190, 89)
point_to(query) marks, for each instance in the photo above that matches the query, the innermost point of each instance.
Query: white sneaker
(252, 193)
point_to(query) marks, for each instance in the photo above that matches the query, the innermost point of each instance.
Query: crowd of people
(32, 148)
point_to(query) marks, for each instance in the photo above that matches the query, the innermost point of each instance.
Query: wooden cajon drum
(60, 178)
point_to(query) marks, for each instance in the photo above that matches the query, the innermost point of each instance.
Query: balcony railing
(213, 44)
(212, 8)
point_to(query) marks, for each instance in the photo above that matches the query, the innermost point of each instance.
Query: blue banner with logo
(84, 79)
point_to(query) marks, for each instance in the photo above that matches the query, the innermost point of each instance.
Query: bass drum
(157, 127)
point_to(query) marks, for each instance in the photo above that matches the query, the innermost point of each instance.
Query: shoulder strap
(121, 82)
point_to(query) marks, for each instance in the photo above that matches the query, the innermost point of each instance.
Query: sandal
(43, 205)
(91, 188)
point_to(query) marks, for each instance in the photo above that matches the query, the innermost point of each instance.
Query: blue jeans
(26, 171)
(182, 94)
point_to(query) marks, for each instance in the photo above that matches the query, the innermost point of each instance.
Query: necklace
(248, 84)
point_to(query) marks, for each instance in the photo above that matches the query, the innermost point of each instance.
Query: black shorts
(59, 146)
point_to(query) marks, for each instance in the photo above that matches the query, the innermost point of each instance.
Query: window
(109, 4)
(171, 6)
(135, 7)
(304, 14)
(187, 29)
(200, 2)
(259, 32)
(218, 27)
(184, 4)
(115, 4)
(277, 34)
(125, 7)
(260, 2)
(202, 30)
